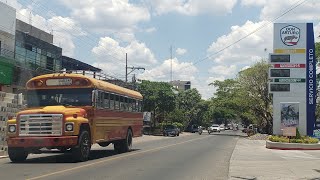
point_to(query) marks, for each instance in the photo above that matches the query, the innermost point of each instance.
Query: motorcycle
(200, 130)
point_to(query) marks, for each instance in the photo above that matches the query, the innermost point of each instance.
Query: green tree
(158, 98)
(254, 82)
(244, 98)
(187, 102)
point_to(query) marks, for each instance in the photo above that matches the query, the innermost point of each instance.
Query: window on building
(50, 64)
(279, 72)
(279, 87)
(279, 58)
(28, 47)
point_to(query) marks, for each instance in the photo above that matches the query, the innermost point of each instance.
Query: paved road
(185, 157)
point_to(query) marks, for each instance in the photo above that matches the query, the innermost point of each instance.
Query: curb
(1, 157)
(291, 146)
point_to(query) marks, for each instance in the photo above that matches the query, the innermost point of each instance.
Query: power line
(47, 11)
(294, 6)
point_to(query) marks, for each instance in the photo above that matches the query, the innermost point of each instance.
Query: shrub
(278, 139)
(296, 140)
(298, 136)
(303, 139)
(250, 132)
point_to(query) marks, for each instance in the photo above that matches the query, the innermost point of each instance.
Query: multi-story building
(181, 85)
(34, 52)
(27, 51)
(7, 41)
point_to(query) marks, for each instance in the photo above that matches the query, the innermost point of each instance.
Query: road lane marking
(114, 158)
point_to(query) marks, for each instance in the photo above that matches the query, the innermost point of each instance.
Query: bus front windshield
(64, 97)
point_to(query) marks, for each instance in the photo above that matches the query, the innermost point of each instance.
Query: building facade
(26, 51)
(7, 41)
(181, 85)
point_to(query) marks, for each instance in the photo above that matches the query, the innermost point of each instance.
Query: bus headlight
(12, 128)
(69, 127)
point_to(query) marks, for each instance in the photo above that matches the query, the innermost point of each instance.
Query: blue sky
(100, 32)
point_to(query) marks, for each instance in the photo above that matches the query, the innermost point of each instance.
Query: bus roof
(94, 83)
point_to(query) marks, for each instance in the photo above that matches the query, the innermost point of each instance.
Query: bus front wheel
(17, 154)
(124, 145)
(82, 151)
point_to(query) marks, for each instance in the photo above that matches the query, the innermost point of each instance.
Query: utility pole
(126, 67)
(171, 60)
(132, 68)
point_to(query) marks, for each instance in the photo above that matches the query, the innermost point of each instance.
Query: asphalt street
(186, 157)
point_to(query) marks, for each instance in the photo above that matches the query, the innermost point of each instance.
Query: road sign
(289, 80)
(289, 65)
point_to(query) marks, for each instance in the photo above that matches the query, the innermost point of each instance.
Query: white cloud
(247, 51)
(192, 7)
(253, 2)
(181, 71)
(150, 30)
(107, 15)
(273, 8)
(244, 68)
(108, 55)
(181, 51)
(223, 71)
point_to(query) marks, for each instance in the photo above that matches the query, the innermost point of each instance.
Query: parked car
(229, 126)
(194, 128)
(222, 128)
(214, 128)
(170, 130)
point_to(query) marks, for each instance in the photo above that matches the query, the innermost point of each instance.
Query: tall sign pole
(292, 75)
(312, 124)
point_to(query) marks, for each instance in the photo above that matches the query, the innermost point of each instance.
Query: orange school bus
(70, 112)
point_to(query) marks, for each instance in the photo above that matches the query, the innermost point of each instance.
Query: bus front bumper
(60, 141)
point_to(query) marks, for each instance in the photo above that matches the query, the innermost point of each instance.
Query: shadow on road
(67, 157)
(244, 178)
(227, 133)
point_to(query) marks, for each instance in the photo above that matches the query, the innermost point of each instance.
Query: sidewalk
(252, 160)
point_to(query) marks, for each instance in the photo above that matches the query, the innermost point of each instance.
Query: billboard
(289, 114)
(292, 76)
(147, 116)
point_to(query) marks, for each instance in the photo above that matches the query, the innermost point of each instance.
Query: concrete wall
(8, 107)
(7, 29)
(33, 31)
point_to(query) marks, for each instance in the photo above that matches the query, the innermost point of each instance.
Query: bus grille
(40, 125)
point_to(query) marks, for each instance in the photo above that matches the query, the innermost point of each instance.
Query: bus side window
(129, 103)
(140, 106)
(126, 104)
(100, 99)
(122, 103)
(117, 102)
(137, 105)
(106, 100)
(133, 103)
(112, 99)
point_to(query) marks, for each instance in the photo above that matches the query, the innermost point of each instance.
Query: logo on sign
(290, 35)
